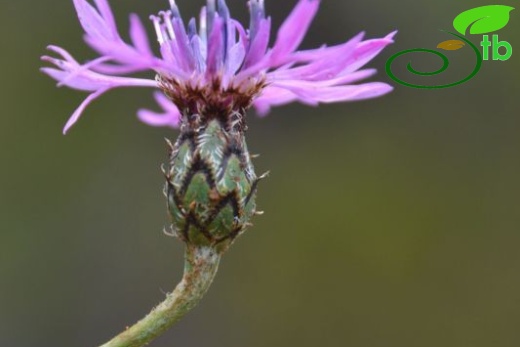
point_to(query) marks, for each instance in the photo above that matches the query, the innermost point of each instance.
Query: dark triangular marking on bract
(198, 165)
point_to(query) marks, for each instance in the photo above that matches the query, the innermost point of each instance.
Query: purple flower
(219, 65)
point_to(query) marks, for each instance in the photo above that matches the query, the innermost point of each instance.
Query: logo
(480, 21)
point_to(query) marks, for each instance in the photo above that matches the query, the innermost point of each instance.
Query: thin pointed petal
(259, 44)
(92, 22)
(170, 115)
(215, 47)
(106, 13)
(75, 116)
(138, 35)
(294, 28)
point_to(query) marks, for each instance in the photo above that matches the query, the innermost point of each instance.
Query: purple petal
(76, 83)
(215, 47)
(138, 35)
(92, 22)
(259, 44)
(354, 92)
(341, 80)
(106, 13)
(112, 69)
(130, 59)
(82, 77)
(169, 117)
(65, 55)
(199, 52)
(242, 34)
(294, 28)
(256, 14)
(273, 96)
(312, 92)
(236, 57)
(103, 37)
(325, 64)
(228, 29)
(183, 45)
(368, 50)
(75, 116)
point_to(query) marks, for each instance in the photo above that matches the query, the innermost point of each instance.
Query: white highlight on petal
(203, 25)
(158, 29)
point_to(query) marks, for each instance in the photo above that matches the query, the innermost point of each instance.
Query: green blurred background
(390, 222)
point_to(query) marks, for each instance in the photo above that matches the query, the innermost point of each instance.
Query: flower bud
(211, 183)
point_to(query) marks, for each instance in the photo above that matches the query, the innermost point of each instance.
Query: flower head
(216, 66)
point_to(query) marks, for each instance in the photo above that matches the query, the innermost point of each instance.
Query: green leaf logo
(483, 20)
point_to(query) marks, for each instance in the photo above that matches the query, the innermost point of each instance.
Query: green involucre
(211, 185)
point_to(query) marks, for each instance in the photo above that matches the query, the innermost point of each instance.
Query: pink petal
(273, 96)
(294, 28)
(259, 44)
(75, 116)
(236, 57)
(106, 13)
(76, 83)
(325, 64)
(368, 50)
(92, 22)
(169, 117)
(215, 47)
(138, 35)
(310, 92)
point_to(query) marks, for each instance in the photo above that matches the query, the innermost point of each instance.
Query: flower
(219, 67)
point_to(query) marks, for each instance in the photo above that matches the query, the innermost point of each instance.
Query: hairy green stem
(200, 267)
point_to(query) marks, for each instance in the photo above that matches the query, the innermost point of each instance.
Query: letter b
(496, 47)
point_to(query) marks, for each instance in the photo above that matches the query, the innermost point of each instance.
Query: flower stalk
(200, 267)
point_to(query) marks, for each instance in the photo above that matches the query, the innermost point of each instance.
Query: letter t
(485, 47)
